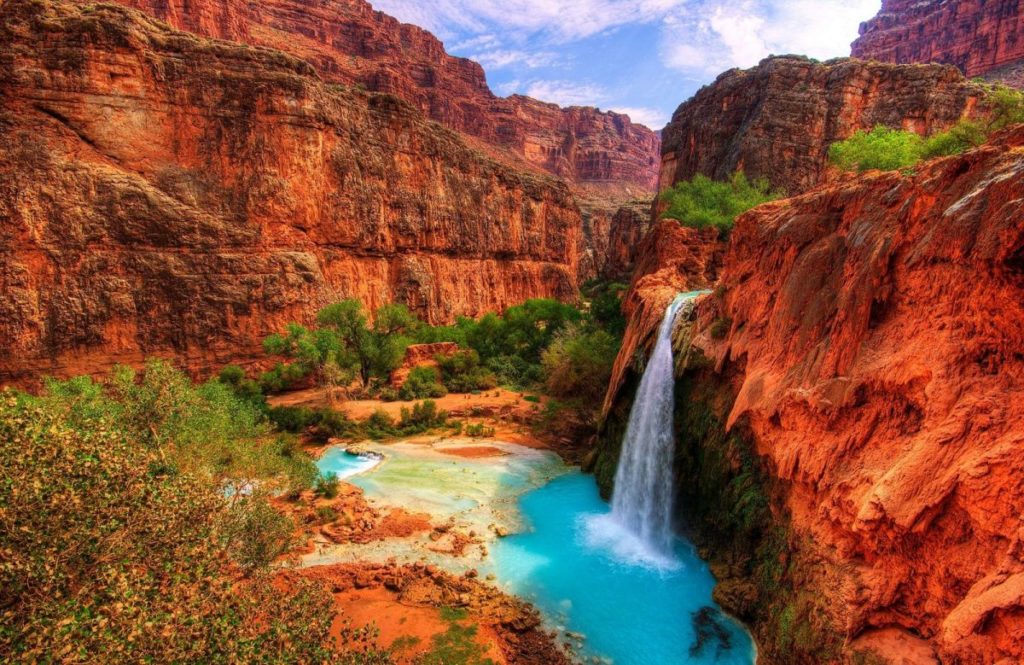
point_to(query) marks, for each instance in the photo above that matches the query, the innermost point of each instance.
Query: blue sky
(641, 57)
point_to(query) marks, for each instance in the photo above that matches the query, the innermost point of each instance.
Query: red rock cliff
(602, 154)
(873, 339)
(778, 119)
(982, 38)
(165, 194)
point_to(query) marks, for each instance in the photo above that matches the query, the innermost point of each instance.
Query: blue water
(344, 464)
(590, 577)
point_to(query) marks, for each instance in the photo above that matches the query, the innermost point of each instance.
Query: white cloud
(710, 36)
(652, 118)
(565, 93)
(557, 18)
(499, 58)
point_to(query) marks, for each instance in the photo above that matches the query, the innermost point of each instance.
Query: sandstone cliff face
(871, 335)
(602, 154)
(164, 194)
(778, 119)
(980, 38)
(671, 259)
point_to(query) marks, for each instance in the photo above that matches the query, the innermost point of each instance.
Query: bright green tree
(702, 202)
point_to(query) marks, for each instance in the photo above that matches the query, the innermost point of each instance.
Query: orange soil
(399, 622)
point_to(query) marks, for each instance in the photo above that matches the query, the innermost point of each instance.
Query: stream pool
(603, 592)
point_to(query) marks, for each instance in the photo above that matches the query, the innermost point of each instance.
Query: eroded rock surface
(602, 154)
(164, 194)
(980, 38)
(777, 120)
(871, 333)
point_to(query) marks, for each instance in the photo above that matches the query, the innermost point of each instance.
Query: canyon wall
(777, 120)
(851, 414)
(604, 155)
(981, 38)
(166, 194)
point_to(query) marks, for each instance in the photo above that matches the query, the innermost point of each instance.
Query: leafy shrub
(232, 375)
(578, 368)
(421, 383)
(144, 530)
(327, 486)
(961, 137)
(882, 148)
(479, 430)
(257, 533)
(703, 202)
(283, 377)
(380, 425)
(461, 372)
(423, 416)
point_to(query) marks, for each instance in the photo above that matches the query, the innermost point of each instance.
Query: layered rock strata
(166, 194)
(980, 38)
(777, 120)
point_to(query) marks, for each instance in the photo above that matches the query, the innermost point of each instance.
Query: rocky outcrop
(671, 259)
(602, 154)
(980, 38)
(165, 194)
(861, 371)
(777, 120)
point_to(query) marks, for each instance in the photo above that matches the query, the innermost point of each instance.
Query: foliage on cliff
(133, 528)
(702, 202)
(887, 149)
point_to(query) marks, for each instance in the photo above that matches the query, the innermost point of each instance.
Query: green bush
(882, 148)
(479, 430)
(423, 416)
(462, 372)
(961, 137)
(422, 382)
(578, 368)
(380, 425)
(703, 202)
(138, 468)
(327, 486)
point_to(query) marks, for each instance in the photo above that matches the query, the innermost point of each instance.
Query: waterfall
(642, 502)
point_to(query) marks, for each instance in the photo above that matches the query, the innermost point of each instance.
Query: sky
(640, 57)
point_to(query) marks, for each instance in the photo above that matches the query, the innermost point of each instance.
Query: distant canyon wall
(603, 155)
(981, 38)
(171, 195)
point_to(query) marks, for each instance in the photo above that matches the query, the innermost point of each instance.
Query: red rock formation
(671, 259)
(982, 38)
(875, 346)
(603, 154)
(778, 119)
(164, 194)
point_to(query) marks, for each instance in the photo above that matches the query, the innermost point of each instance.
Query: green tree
(578, 368)
(882, 148)
(703, 202)
(376, 349)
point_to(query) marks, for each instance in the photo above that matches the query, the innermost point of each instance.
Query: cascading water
(642, 502)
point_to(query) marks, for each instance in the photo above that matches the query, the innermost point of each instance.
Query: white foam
(604, 533)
